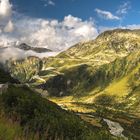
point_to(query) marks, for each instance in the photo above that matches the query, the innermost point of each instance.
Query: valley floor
(95, 115)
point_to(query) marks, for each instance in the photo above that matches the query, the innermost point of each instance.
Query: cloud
(52, 34)
(48, 2)
(71, 21)
(10, 53)
(9, 27)
(123, 9)
(106, 15)
(5, 9)
(6, 24)
(15, 53)
(131, 27)
(120, 13)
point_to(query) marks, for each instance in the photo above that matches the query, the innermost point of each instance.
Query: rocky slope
(26, 47)
(106, 47)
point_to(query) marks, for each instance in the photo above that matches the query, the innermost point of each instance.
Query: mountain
(108, 65)
(26, 47)
(84, 66)
(5, 77)
(88, 68)
(106, 47)
(24, 69)
(100, 76)
(41, 117)
(25, 114)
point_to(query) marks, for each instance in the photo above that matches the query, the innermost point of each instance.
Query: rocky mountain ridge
(26, 47)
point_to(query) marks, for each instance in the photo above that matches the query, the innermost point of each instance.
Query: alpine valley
(89, 92)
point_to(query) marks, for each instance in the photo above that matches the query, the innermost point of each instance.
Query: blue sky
(83, 9)
(59, 24)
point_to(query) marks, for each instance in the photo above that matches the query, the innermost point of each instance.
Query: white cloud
(5, 9)
(48, 2)
(71, 21)
(120, 13)
(106, 15)
(15, 53)
(131, 27)
(9, 27)
(52, 34)
(6, 24)
(10, 53)
(123, 9)
(86, 31)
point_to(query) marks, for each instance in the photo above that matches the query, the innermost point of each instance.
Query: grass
(9, 130)
(42, 118)
(118, 88)
(5, 77)
(105, 73)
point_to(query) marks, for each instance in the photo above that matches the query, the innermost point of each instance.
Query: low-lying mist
(13, 53)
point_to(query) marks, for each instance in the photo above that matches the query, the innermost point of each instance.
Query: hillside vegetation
(107, 66)
(25, 115)
(100, 77)
(33, 117)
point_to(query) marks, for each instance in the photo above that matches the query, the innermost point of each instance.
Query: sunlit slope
(107, 46)
(25, 115)
(89, 78)
(93, 76)
(118, 80)
(5, 77)
(108, 65)
(31, 117)
(24, 69)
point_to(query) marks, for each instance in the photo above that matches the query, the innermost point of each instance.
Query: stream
(115, 128)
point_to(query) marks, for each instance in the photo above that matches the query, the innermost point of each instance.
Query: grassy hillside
(107, 46)
(113, 73)
(100, 77)
(24, 69)
(5, 77)
(37, 118)
(25, 115)
(108, 65)
(10, 130)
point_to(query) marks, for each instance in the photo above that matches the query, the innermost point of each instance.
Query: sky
(59, 24)
(85, 9)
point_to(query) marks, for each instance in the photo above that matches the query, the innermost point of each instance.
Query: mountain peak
(115, 31)
(24, 46)
(108, 46)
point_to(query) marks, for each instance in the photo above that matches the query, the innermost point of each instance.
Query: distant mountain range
(26, 47)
